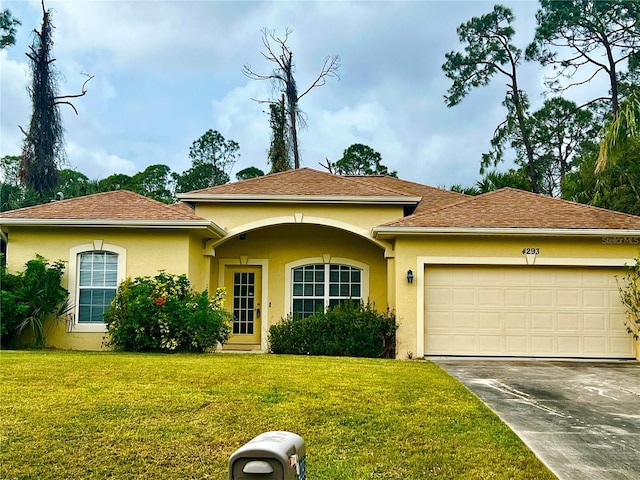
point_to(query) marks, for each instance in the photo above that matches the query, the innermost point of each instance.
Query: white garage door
(524, 311)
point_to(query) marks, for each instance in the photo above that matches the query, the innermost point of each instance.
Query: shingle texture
(511, 208)
(431, 197)
(303, 182)
(117, 205)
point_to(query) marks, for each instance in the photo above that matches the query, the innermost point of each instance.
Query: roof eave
(317, 199)
(201, 225)
(383, 232)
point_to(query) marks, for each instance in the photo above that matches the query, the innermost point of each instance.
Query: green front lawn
(110, 415)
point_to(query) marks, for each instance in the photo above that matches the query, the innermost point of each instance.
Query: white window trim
(325, 259)
(74, 252)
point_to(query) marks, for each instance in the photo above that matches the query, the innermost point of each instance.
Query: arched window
(95, 271)
(321, 285)
(97, 284)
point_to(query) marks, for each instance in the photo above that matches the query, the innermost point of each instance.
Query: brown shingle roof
(432, 197)
(302, 182)
(116, 205)
(511, 208)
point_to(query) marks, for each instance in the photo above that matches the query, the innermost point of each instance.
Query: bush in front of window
(30, 299)
(349, 329)
(164, 314)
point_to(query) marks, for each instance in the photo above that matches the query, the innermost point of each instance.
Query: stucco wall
(288, 243)
(232, 215)
(148, 251)
(412, 253)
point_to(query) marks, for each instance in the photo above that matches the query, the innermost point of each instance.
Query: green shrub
(163, 314)
(29, 298)
(349, 329)
(629, 288)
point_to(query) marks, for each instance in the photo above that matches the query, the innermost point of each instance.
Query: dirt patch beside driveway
(581, 418)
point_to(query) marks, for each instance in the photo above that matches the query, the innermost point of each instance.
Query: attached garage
(538, 311)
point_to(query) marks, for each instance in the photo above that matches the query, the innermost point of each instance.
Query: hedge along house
(507, 273)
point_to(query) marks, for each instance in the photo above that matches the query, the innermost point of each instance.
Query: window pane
(334, 290)
(308, 290)
(334, 276)
(355, 275)
(319, 290)
(344, 290)
(297, 306)
(355, 291)
(308, 275)
(85, 279)
(319, 275)
(111, 278)
(96, 271)
(297, 289)
(297, 275)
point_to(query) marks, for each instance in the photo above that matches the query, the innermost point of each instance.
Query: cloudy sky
(166, 72)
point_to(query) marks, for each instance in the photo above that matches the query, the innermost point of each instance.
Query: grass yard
(81, 415)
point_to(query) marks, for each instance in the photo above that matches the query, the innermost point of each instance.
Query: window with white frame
(317, 286)
(97, 284)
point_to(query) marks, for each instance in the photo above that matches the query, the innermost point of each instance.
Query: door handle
(257, 312)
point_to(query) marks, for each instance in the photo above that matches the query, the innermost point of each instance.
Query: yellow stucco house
(507, 273)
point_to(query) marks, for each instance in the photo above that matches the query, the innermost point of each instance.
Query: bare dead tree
(43, 146)
(282, 77)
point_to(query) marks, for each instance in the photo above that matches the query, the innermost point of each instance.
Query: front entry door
(244, 291)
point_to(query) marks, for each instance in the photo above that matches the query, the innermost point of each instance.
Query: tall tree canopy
(8, 30)
(590, 36)
(212, 158)
(361, 159)
(249, 172)
(557, 130)
(279, 157)
(622, 130)
(488, 50)
(284, 81)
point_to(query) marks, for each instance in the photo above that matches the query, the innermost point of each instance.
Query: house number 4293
(530, 251)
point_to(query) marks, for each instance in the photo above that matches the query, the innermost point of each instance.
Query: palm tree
(624, 126)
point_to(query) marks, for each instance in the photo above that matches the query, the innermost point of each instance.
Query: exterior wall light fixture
(410, 276)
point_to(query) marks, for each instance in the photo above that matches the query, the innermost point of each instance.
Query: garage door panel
(516, 345)
(490, 345)
(571, 345)
(464, 321)
(595, 298)
(617, 324)
(491, 297)
(542, 321)
(595, 322)
(542, 297)
(439, 297)
(465, 296)
(544, 344)
(524, 311)
(595, 346)
(490, 321)
(618, 346)
(568, 322)
(516, 321)
(516, 297)
(568, 298)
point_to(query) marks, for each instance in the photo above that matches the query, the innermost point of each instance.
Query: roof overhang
(204, 226)
(317, 199)
(385, 232)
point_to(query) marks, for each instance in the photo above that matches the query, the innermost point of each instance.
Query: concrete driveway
(581, 418)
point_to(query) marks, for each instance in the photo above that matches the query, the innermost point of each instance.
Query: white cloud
(97, 163)
(167, 71)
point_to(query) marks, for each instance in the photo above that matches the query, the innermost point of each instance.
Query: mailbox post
(270, 455)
